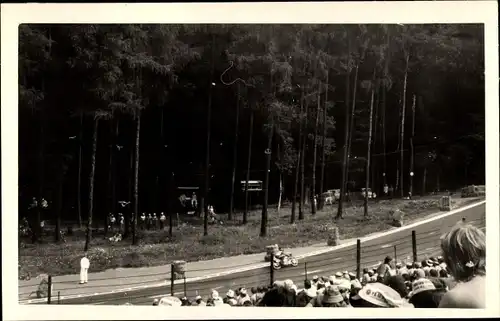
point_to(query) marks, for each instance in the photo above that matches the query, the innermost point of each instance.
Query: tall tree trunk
(351, 125)
(403, 113)
(411, 145)
(235, 155)
(136, 178)
(323, 144)
(36, 228)
(384, 104)
(374, 162)
(346, 140)
(424, 183)
(297, 165)
(207, 152)
(315, 152)
(263, 223)
(345, 189)
(111, 176)
(384, 149)
(130, 187)
(158, 200)
(249, 163)
(302, 160)
(88, 235)
(79, 179)
(59, 201)
(278, 153)
(368, 155)
(170, 203)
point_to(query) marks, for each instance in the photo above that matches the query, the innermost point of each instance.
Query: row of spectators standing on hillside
(454, 280)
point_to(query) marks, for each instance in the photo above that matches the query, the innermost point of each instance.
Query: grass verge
(188, 243)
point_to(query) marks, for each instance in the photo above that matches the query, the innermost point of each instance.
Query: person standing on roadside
(143, 221)
(162, 220)
(84, 269)
(155, 222)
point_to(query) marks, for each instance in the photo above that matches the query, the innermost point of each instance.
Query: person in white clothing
(84, 269)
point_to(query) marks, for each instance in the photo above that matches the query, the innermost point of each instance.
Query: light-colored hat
(332, 295)
(198, 297)
(338, 274)
(371, 272)
(421, 285)
(170, 301)
(352, 275)
(356, 284)
(214, 294)
(230, 294)
(345, 285)
(288, 284)
(315, 278)
(332, 279)
(403, 271)
(243, 291)
(399, 265)
(380, 295)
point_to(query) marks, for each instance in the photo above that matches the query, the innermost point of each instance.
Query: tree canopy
(114, 71)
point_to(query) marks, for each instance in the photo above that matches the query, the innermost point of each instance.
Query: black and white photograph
(223, 164)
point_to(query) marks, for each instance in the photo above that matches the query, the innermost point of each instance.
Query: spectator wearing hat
(215, 299)
(156, 302)
(185, 301)
(315, 280)
(230, 298)
(199, 301)
(425, 294)
(464, 251)
(170, 301)
(332, 298)
(243, 297)
(378, 295)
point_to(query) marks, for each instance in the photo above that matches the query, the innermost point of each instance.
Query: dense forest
(131, 112)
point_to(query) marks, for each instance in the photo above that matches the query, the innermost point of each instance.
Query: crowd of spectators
(454, 280)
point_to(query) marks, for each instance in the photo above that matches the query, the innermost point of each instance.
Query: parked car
(331, 196)
(371, 194)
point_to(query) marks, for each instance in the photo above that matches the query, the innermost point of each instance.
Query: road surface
(398, 244)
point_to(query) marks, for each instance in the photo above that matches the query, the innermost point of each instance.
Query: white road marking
(262, 265)
(311, 272)
(385, 246)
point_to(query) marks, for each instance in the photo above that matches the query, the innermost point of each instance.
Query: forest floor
(231, 239)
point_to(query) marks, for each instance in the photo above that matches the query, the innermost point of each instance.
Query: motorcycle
(284, 260)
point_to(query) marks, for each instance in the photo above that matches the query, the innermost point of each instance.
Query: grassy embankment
(188, 242)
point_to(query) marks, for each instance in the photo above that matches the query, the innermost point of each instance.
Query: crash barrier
(364, 254)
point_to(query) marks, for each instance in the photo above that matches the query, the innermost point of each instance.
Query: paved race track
(372, 252)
